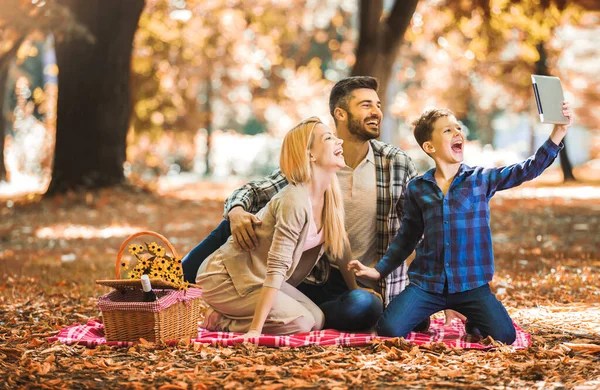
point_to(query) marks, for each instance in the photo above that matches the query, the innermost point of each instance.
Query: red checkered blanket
(92, 334)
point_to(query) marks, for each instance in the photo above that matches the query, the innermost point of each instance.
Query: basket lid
(134, 284)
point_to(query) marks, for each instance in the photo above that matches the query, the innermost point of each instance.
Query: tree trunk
(485, 130)
(533, 117)
(208, 123)
(541, 68)
(3, 77)
(94, 96)
(4, 67)
(379, 41)
(565, 163)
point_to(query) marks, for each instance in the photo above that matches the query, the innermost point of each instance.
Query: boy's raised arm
(560, 131)
(503, 178)
(510, 176)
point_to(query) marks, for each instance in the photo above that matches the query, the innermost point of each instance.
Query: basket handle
(133, 236)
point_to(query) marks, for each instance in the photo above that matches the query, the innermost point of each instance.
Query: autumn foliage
(546, 273)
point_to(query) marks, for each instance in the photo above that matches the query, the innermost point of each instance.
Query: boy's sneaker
(471, 329)
(423, 326)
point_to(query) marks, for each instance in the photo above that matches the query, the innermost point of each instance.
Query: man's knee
(365, 303)
(223, 230)
(360, 311)
(192, 261)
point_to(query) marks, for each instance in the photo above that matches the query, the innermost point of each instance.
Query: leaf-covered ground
(51, 252)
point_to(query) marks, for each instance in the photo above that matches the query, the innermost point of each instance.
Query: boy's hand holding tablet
(552, 106)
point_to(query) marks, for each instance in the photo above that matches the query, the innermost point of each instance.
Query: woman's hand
(362, 270)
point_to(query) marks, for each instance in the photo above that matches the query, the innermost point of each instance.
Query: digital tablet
(549, 98)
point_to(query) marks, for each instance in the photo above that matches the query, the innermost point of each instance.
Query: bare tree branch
(397, 23)
(590, 5)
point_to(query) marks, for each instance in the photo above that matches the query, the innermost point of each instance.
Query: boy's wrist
(377, 274)
(557, 136)
(380, 269)
(558, 133)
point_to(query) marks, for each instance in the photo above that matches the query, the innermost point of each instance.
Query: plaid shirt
(393, 170)
(457, 245)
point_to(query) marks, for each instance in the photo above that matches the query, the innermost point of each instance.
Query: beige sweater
(281, 236)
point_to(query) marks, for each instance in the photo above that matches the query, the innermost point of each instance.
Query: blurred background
(96, 93)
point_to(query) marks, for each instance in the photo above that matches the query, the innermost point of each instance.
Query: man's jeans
(480, 306)
(192, 261)
(356, 310)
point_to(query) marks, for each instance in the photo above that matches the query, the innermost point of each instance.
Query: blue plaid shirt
(457, 242)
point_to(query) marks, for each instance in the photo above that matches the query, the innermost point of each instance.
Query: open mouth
(457, 147)
(372, 122)
(338, 152)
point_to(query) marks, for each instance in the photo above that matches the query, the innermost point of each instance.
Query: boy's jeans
(479, 305)
(356, 310)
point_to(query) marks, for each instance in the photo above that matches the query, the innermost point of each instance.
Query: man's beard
(356, 128)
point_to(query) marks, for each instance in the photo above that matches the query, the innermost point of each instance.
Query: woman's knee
(304, 323)
(319, 318)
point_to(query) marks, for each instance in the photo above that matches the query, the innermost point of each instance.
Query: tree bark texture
(565, 163)
(3, 77)
(208, 115)
(4, 67)
(94, 102)
(380, 39)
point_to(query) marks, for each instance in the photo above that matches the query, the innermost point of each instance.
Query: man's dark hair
(424, 125)
(340, 93)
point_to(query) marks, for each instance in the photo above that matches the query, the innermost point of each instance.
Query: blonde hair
(295, 165)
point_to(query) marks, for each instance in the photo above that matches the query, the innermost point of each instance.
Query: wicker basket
(173, 316)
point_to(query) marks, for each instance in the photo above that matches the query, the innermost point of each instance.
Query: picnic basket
(174, 315)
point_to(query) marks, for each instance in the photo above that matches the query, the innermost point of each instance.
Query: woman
(254, 292)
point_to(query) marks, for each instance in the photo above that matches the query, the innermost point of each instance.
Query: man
(373, 183)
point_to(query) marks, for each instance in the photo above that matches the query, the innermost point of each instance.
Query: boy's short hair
(340, 93)
(424, 125)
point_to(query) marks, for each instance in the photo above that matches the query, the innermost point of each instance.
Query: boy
(448, 207)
